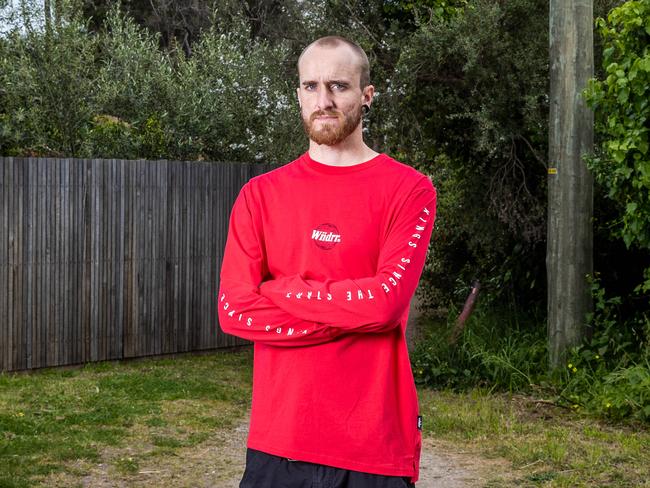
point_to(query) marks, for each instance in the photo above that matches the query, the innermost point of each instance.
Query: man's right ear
(298, 97)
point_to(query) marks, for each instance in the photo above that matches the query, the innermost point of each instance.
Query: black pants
(268, 471)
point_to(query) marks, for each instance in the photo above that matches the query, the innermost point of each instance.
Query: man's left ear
(368, 93)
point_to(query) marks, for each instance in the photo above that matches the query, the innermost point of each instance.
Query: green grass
(134, 415)
(545, 445)
(52, 417)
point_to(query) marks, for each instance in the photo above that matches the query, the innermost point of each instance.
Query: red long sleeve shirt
(319, 268)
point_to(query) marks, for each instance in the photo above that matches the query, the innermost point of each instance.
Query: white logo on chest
(326, 236)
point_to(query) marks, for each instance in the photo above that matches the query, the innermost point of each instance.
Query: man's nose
(325, 100)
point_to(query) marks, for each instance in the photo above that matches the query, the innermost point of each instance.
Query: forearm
(244, 313)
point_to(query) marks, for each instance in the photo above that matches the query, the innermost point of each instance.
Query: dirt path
(219, 463)
(223, 464)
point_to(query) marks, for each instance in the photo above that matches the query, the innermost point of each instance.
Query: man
(321, 261)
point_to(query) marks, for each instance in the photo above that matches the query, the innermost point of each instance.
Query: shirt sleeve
(373, 303)
(242, 311)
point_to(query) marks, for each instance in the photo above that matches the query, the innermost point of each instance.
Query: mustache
(320, 113)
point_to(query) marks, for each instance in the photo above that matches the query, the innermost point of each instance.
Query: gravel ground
(219, 463)
(439, 467)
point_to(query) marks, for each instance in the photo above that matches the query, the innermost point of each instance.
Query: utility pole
(569, 253)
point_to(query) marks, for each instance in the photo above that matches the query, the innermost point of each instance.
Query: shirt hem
(318, 458)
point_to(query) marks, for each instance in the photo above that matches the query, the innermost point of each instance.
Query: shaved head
(336, 41)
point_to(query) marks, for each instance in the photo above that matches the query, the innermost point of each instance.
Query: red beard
(331, 134)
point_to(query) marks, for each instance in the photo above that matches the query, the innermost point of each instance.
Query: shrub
(115, 94)
(48, 82)
(493, 351)
(609, 374)
(621, 103)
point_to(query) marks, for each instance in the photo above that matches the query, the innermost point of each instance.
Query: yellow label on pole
(552, 171)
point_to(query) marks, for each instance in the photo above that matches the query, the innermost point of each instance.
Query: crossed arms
(288, 311)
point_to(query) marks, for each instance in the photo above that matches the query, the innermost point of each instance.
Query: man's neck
(349, 152)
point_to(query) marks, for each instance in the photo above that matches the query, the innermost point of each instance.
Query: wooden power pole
(570, 186)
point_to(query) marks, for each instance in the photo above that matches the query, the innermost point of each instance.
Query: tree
(622, 109)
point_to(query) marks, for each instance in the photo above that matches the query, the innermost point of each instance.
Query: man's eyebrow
(329, 82)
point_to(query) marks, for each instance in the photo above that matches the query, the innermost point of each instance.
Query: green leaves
(115, 93)
(622, 112)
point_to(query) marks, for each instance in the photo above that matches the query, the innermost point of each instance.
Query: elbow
(390, 314)
(385, 316)
(224, 322)
(222, 313)
(230, 322)
(221, 318)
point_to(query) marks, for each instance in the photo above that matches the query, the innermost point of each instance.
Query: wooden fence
(111, 259)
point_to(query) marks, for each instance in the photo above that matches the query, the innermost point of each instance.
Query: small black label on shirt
(419, 422)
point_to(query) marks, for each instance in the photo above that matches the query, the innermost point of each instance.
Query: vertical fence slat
(74, 260)
(198, 217)
(141, 234)
(187, 260)
(48, 288)
(27, 262)
(148, 257)
(168, 311)
(21, 233)
(95, 330)
(38, 346)
(5, 191)
(163, 233)
(211, 264)
(65, 239)
(103, 259)
(141, 332)
(129, 255)
(46, 262)
(136, 296)
(143, 329)
(111, 275)
(104, 305)
(193, 217)
(162, 283)
(187, 257)
(11, 330)
(118, 262)
(205, 259)
(219, 198)
(176, 250)
(53, 236)
(86, 266)
(153, 196)
(183, 330)
(5, 285)
(157, 209)
(40, 337)
(57, 241)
